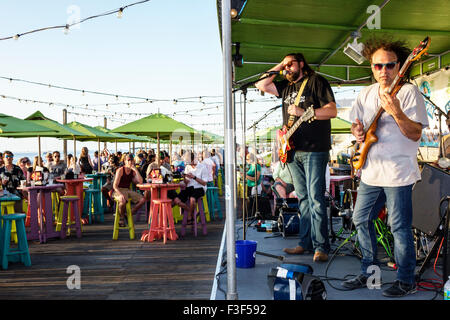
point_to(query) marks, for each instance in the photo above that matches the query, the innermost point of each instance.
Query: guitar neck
(294, 127)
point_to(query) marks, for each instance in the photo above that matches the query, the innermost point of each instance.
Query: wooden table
(74, 187)
(41, 212)
(158, 192)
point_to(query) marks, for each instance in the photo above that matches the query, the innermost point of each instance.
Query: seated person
(195, 177)
(250, 175)
(283, 181)
(122, 181)
(110, 170)
(11, 175)
(57, 167)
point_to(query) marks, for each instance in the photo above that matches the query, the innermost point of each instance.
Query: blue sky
(161, 49)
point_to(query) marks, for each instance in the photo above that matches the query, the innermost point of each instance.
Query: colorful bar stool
(220, 181)
(21, 253)
(7, 207)
(92, 205)
(64, 221)
(162, 224)
(198, 211)
(213, 202)
(129, 216)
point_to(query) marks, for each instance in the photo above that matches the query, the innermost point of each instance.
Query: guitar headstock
(421, 49)
(308, 115)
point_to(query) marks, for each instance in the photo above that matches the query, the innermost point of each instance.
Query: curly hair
(387, 43)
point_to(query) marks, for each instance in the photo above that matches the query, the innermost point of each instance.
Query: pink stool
(197, 211)
(162, 224)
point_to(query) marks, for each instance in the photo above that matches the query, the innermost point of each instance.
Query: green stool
(92, 205)
(213, 201)
(21, 253)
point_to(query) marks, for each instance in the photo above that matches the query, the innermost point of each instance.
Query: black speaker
(426, 196)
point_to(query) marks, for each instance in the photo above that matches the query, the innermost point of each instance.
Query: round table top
(144, 186)
(74, 180)
(46, 187)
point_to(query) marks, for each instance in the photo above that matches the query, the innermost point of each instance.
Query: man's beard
(291, 77)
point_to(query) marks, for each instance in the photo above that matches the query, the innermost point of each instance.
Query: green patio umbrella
(157, 126)
(12, 127)
(119, 137)
(340, 126)
(90, 134)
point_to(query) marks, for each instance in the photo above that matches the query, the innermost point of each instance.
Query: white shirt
(392, 160)
(209, 165)
(200, 172)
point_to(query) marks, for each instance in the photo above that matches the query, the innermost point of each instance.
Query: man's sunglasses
(8, 156)
(389, 65)
(289, 64)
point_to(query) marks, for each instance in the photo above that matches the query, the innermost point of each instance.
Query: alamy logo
(374, 21)
(74, 280)
(374, 280)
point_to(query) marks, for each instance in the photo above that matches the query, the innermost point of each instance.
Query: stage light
(354, 49)
(237, 6)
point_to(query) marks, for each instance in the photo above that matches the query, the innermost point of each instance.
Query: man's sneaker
(320, 257)
(400, 289)
(356, 283)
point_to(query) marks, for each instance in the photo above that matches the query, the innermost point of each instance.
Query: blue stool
(92, 205)
(21, 254)
(213, 201)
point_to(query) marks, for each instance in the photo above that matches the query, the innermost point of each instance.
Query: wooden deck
(123, 269)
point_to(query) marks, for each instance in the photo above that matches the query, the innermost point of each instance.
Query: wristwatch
(195, 178)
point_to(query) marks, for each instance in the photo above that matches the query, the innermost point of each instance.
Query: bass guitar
(284, 134)
(362, 149)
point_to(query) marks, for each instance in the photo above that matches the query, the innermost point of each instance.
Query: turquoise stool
(92, 205)
(213, 201)
(21, 254)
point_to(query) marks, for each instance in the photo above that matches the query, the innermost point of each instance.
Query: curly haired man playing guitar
(303, 91)
(391, 168)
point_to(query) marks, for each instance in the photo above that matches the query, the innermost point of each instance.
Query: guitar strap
(297, 101)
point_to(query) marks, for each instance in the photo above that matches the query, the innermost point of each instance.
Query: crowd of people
(197, 170)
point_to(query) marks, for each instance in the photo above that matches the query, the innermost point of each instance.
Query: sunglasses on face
(9, 157)
(379, 66)
(290, 63)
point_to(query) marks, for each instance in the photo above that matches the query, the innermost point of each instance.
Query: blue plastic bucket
(245, 253)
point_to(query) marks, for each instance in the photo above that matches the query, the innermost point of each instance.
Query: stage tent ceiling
(267, 30)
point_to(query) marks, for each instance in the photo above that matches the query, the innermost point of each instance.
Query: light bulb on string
(120, 13)
(16, 37)
(66, 29)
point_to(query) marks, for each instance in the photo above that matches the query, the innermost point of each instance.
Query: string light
(67, 26)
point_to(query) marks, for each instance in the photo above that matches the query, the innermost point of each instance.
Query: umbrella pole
(39, 150)
(98, 159)
(116, 146)
(170, 148)
(157, 147)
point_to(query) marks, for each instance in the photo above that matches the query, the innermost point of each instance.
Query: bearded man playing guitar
(302, 91)
(391, 168)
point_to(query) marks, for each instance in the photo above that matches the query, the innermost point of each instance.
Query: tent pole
(98, 159)
(230, 151)
(39, 150)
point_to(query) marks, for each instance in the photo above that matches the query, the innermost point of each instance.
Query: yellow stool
(219, 182)
(206, 209)
(69, 215)
(176, 213)
(55, 203)
(9, 206)
(130, 226)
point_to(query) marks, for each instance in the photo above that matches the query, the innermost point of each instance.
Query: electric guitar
(284, 134)
(362, 149)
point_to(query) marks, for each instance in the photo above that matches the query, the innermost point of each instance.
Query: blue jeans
(308, 175)
(370, 200)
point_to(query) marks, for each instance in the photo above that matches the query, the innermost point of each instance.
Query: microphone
(281, 72)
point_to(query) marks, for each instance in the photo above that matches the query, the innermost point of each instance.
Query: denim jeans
(308, 175)
(369, 201)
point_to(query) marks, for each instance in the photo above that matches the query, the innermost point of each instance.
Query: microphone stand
(256, 160)
(244, 88)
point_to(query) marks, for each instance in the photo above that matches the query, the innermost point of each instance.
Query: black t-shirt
(314, 136)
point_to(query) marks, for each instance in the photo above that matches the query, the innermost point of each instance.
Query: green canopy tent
(12, 127)
(157, 126)
(340, 126)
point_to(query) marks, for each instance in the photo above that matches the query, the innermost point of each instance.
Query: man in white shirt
(391, 168)
(206, 160)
